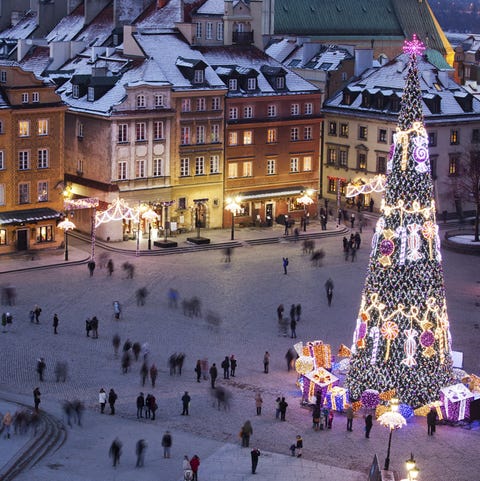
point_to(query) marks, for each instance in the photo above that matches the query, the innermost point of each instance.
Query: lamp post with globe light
(150, 215)
(305, 200)
(392, 420)
(233, 206)
(412, 470)
(66, 225)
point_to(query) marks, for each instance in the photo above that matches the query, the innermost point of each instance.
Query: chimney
(161, 3)
(363, 60)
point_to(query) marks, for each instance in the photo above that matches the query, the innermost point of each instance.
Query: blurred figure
(115, 451)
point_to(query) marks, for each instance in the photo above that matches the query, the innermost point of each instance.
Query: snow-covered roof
(282, 49)
(97, 32)
(434, 83)
(159, 19)
(23, 29)
(212, 7)
(68, 27)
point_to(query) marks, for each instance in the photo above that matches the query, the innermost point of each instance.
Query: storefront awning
(15, 217)
(263, 194)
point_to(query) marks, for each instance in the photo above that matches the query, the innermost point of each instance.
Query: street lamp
(150, 215)
(392, 420)
(305, 200)
(233, 206)
(412, 470)
(66, 225)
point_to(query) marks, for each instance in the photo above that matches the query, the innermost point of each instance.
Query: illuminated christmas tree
(402, 339)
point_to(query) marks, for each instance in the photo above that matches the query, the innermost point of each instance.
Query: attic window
(280, 82)
(232, 84)
(198, 77)
(75, 91)
(251, 83)
(91, 94)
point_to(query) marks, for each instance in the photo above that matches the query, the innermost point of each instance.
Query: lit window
(332, 128)
(271, 167)
(343, 130)
(271, 136)
(307, 164)
(247, 137)
(247, 169)
(140, 168)
(122, 170)
(23, 128)
(184, 167)
(382, 136)
(232, 138)
(42, 158)
(362, 132)
(44, 233)
(453, 166)
(140, 131)
(294, 164)
(122, 133)
(232, 170)
(42, 189)
(362, 160)
(200, 166)
(454, 137)
(3, 232)
(23, 160)
(331, 155)
(294, 134)
(42, 127)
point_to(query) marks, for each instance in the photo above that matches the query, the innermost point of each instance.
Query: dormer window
(141, 102)
(91, 94)
(251, 83)
(75, 91)
(198, 77)
(158, 101)
(25, 98)
(233, 84)
(280, 82)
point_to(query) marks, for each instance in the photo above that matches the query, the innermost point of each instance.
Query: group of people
(283, 322)
(190, 468)
(351, 246)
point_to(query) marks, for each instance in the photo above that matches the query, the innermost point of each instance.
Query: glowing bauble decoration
(427, 339)
(370, 398)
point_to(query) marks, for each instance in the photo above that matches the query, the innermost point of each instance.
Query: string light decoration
(402, 339)
(377, 184)
(117, 210)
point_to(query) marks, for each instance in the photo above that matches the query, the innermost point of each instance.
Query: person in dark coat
(167, 444)
(283, 408)
(91, 267)
(285, 264)
(329, 290)
(41, 368)
(255, 454)
(298, 311)
(213, 375)
(186, 403)
(431, 421)
(198, 370)
(115, 451)
(226, 368)
(140, 449)
(233, 365)
(55, 324)
(292, 312)
(246, 432)
(140, 405)
(36, 398)
(112, 398)
(153, 374)
(368, 425)
(293, 328)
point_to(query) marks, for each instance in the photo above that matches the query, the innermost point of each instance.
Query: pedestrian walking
(7, 424)
(325, 413)
(226, 368)
(116, 343)
(115, 451)
(277, 408)
(167, 444)
(254, 454)
(293, 312)
(110, 267)
(205, 370)
(368, 425)
(329, 290)
(195, 464)
(36, 398)
(185, 403)
(316, 417)
(91, 266)
(352, 220)
(233, 365)
(266, 362)
(283, 409)
(144, 373)
(37, 310)
(88, 326)
(112, 398)
(431, 421)
(245, 433)
(140, 449)
(330, 418)
(213, 375)
(339, 217)
(299, 446)
(290, 357)
(280, 310)
(94, 327)
(55, 323)
(350, 415)
(153, 374)
(41, 365)
(353, 253)
(285, 264)
(298, 311)
(198, 370)
(140, 405)
(293, 328)
(258, 403)
(102, 399)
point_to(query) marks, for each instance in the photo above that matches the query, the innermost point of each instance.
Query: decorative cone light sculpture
(402, 338)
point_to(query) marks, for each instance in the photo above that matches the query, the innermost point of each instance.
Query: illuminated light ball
(304, 364)
(405, 410)
(387, 247)
(370, 398)
(427, 338)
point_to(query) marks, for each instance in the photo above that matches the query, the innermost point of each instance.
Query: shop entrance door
(269, 214)
(22, 240)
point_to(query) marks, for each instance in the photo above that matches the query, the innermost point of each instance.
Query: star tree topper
(413, 47)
